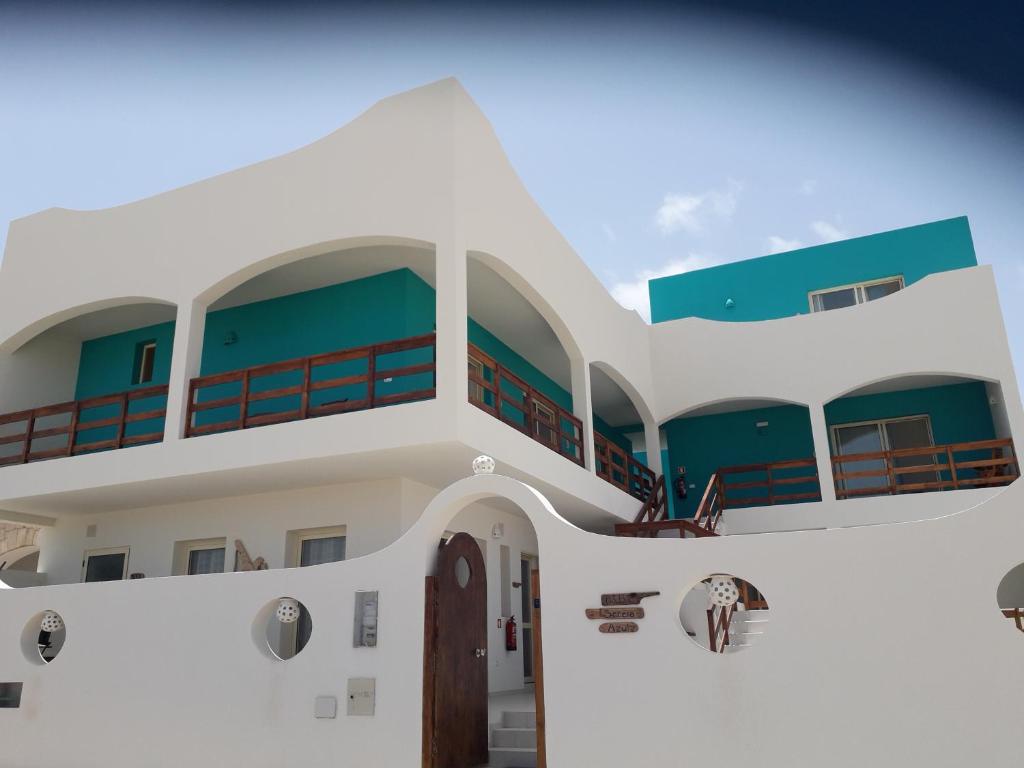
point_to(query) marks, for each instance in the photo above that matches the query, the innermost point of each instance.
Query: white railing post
(185, 361)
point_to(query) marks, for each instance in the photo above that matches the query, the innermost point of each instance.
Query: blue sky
(656, 142)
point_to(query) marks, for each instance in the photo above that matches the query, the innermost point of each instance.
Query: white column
(652, 444)
(185, 361)
(822, 453)
(583, 409)
(451, 313)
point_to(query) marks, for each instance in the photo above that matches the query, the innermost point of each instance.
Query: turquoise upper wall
(777, 285)
(107, 364)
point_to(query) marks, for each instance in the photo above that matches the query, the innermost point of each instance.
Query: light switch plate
(362, 696)
(325, 707)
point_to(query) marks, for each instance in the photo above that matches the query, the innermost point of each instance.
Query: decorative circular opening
(462, 572)
(724, 614)
(283, 628)
(43, 637)
(1010, 596)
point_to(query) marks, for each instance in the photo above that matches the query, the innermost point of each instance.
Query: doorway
(455, 727)
(527, 566)
(105, 564)
(877, 437)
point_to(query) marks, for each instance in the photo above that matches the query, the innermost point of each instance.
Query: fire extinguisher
(681, 489)
(511, 643)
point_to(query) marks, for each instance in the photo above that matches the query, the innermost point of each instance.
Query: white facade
(876, 624)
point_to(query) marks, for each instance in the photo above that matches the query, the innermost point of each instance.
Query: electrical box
(364, 633)
(325, 707)
(362, 695)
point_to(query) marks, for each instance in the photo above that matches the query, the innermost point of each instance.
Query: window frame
(183, 550)
(126, 551)
(858, 289)
(145, 351)
(294, 540)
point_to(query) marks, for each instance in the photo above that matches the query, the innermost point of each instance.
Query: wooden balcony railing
(933, 468)
(355, 379)
(620, 469)
(83, 426)
(501, 393)
(1017, 614)
(760, 485)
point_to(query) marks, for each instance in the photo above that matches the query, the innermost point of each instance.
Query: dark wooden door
(459, 673)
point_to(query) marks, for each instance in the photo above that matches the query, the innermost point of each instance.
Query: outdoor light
(498, 531)
(287, 610)
(483, 465)
(723, 591)
(52, 622)
(729, 303)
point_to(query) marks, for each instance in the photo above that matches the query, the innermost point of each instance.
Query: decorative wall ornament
(52, 622)
(483, 465)
(246, 563)
(618, 627)
(626, 598)
(617, 606)
(287, 610)
(722, 590)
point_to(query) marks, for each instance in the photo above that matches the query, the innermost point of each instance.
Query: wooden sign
(626, 598)
(618, 627)
(615, 613)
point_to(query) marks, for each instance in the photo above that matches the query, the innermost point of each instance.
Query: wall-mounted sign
(618, 627)
(615, 613)
(626, 598)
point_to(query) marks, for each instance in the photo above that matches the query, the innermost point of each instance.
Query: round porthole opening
(283, 628)
(463, 572)
(724, 614)
(43, 637)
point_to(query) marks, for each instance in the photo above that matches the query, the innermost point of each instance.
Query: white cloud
(634, 295)
(778, 244)
(828, 233)
(808, 186)
(687, 212)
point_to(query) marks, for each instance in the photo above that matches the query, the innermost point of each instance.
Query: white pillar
(186, 358)
(451, 318)
(652, 444)
(822, 453)
(583, 409)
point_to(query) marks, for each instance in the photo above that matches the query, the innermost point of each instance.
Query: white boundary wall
(878, 637)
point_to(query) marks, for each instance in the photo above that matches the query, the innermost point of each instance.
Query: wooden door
(455, 662)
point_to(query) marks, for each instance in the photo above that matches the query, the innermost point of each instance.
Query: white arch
(638, 401)
(966, 378)
(229, 282)
(718, 401)
(29, 332)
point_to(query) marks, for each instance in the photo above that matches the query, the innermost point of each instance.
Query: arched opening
(620, 448)
(920, 433)
(519, 366)
(746, 452)
(92, 382)
(335, 332)
(1010, 596)
(483, 649)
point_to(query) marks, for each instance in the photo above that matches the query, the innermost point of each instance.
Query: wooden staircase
(652, 521)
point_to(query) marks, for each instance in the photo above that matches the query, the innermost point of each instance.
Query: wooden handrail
(719, 618)
(510, 399)
(78, 420)
(1001, 467)
(774, 484)
(619, 468)
(308, 367)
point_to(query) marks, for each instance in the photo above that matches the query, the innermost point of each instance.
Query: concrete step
(513, 757)
(525, 738)
(518, 719)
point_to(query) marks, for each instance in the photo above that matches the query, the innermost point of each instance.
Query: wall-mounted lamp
(729, 303)
(761, 424)
(498, 531)
(230, 338)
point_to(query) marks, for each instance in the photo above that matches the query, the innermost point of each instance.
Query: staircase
(514, 741)
(745, 629)
(652, 521)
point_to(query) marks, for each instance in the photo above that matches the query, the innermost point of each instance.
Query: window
(312, 546)
(10, 695)
(105, 564)
(199, 556)
(878, 436)
(849, 295)
(545, 425)
(145, 358)
(476, 391)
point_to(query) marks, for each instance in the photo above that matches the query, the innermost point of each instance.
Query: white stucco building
(237, 428)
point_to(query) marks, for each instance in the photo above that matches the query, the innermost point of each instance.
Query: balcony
(621, 470)
(360, 378)
(976, 464)
(95, 424)
(496, 390)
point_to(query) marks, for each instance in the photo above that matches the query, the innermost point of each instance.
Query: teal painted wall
(958, 412)
(704, 443)
(777, 285)
(106, 367)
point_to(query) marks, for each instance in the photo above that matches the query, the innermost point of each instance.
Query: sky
(658, 139)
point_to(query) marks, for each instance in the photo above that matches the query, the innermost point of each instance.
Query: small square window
(10, 695)
(145, 359)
